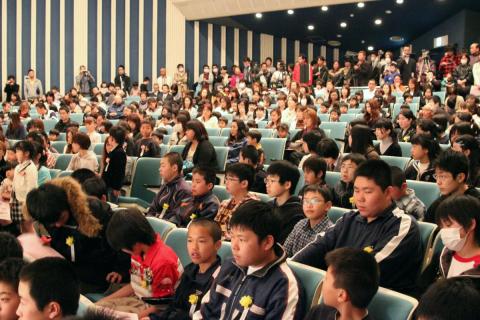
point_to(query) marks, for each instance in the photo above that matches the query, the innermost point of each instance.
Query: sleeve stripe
(405, 224)
(293, 293)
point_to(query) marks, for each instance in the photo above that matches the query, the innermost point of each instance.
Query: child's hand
(114, 277)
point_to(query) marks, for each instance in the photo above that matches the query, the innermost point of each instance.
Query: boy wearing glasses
(238, 180)
(317, 200)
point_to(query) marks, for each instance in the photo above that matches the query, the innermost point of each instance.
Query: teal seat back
(391, 305)
(49, 124)
(225, 251)
(274, 149)
(331, 178)
(310, 279)
(324, 117)
(406, 149)
(221, 193)
(62, 161)
(266, 133)
(213, 132)
(162, 227)
(262, 124)
(98, 149)
(348, 117)
(218, 141)
(145, 173)
(400, 162)
(337, 129)
(222, 154)
(62, 136)
(77, 117)
(58, 145)
(336, 213)
(300, 183)
(177, 148)
(54, 173)
(427, 231)
(428, 192)
(83, 305)
(177, 240)
(64, 174)
(225, 132)
(163, 150)
(263, 197)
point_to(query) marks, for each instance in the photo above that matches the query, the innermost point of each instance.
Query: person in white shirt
(289, 115)
(370, 92)
(208, 120)
(163, 78)
(92, 133)
(82, 158)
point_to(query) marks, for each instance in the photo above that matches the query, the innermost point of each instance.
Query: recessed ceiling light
(388, 11)
(343, 24)
(310, 27)
(360, 4)
(324, 8)
(396, 38)
(339, 35)
(334, 43)
(378, 22)
(290, 11)
(370, 48)
(352, 15)
(363, 41)
(399, 1)
(258, 15)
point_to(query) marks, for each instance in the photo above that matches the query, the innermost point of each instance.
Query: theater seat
(266, 133)
(83, 305)
(177, 240)
(225, 132)
(62, 161)
(390, 305)
(426, 191)
(427, 232)
(54, 173)
(49, 124)
(337, 129)
(162, 227)
(311, 280)
(331, 178)
(218, 141)
(400, 162)
(406, 149)
(58, 145)
(177, 148)
(225, 251)
(213, 132)
(336, 213)
(222, 154)
(64, 174)
(98, 148)
(274, 149)
(221, 193)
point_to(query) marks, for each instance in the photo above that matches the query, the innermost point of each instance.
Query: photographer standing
(11, 87)
(84, 81)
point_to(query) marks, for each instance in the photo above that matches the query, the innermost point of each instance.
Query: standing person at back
(116, 159)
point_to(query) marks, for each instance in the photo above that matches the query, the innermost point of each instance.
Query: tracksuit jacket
(393, 238)
(272, 292)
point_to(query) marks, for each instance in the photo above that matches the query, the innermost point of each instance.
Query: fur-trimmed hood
(78, 201)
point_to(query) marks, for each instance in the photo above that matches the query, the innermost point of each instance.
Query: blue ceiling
(408, 20)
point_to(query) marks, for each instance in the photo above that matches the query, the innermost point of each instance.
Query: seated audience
(314, 170)
(377, 227)
(270, 290)
(388, 145)
(350, 284)
(424, 152)
(317, 200)
(199, 151)
(114, 163)
(9, 279)
(251, 156)
(11, 247)
(328, 149)
(236, 140)
(83, 157)
(145, 146)
(343, 190)
(405, 197)
(282, 179)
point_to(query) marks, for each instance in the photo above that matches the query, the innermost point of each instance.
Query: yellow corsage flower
(406, 138)
(165, 206)
(69, 241)
(193, 298)
(193, 216)
(368, 249)
(246, 302)
(144, 284)
(352, 200)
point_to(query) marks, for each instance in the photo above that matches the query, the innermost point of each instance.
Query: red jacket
(296, 74)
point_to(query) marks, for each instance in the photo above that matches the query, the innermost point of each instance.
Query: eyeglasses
(441, 177)
(231, 179)
(311, 202)
(270, 181)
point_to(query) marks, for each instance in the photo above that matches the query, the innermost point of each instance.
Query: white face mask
(464, 61)
(241, 85)
(303, 102)
(451, 238)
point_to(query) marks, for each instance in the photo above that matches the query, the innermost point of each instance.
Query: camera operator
(84, 81)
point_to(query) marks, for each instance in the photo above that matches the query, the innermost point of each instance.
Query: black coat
(394, 150)
(9, 89)
(204, 155)
(114, 172)
(363, 74)
(126, 82)
(406, 69)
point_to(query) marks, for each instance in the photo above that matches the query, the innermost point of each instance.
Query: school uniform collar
(384, 214)
(281, 257)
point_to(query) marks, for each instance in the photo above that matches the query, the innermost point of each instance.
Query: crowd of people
(79, 238)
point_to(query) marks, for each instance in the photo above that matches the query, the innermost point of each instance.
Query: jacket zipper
(235, 295)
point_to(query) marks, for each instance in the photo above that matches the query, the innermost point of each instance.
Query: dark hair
(361, 139)
(95, 187)
(453, 162)
(450, 299)
(174, 158)
(312, 139)
(468, 142)
(54, 132)
(118, 134)
(208, 174)
(243, 172)
(441, 120)
(128, 227)
(386, 124)
(377, 170)
(327, 148)
(409, 115)
(198, 128)
(258, 217)
(39, 150)
(25, 146)
(46, 203)
(462, 128)
(10, 271)
(356, 158)
(323, 190)
(11, 247)
(398, 177)
(355, 271)
(95, 314)
(315, 164)
(286, 171)
(82, 139)
(429, 127)
(250, 153)
(58, 276)
(427, 142)
(213, 227)
(242, 130)
(82, 174)
(254, 134)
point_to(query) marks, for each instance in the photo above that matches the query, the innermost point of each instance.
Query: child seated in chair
(253, 138)
(343, 190)
(146, 146)
(350, 284)
(9, 278)
(257, 283)
(203, 242)
(251, 156)
(204, 204)
(317, 200)
(405, 197)
(314, 169)
(155, 268)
